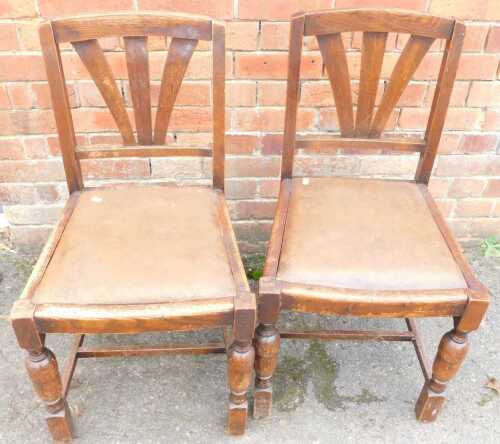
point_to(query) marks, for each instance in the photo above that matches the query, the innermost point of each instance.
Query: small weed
(254, 265)
(491, 246)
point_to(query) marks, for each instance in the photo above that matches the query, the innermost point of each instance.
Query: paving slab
(326, 392)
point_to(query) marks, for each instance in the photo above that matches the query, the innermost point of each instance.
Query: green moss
(293, 376)
(254, 265)
(486, 398)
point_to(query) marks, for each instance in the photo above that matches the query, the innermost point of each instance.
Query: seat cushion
(137, 245)
(364, 234)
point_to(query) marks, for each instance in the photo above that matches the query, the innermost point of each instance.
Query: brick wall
(466, 180)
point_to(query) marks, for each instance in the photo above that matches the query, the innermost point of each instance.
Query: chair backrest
(83, 33)
(364, 131)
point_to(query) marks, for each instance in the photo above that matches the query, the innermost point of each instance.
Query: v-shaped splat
(179, 55)
(408, 62)
(95, 61)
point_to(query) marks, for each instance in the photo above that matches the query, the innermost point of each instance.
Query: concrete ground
(325, 391)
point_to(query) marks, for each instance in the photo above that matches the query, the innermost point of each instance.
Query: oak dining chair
(129, 259)
(372, 248)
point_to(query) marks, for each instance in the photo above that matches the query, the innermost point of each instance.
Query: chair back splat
(361, 129)
(148, 138)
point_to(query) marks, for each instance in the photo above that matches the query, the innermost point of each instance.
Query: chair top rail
(373, 20)
(85, 27)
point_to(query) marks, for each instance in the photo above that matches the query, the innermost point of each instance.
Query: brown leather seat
(137, 245)
(364, 234)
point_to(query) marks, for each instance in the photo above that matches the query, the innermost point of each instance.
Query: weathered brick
(31, 171)
(458, 95)
(389, 165)
(242, 35)
(484, 94)
(240, 189)
(11, 149)
(491, 120)
(465, 9)
(493, 42)
(466, 188)
(241, 93)
(492, 189)
(478, 143)
(269, 119)
(475, 36)
(466, 166)
(477, 67)
(4, 98)
(29, 235)
(272, 93)
(17, 8)
(252, 167)
(115, 168)
(179, 168)
(439, 187)
(269, 188)
(474, 208)
(27, 67)
(277, 10)
(220, 9)
(252, 209)
(272, 144)
(8, 37)
(241, 144)
(274, 66)
(57, 8)
(274, 35)
(407, 4)
(36, 147)
(326, 165)
(33, 214)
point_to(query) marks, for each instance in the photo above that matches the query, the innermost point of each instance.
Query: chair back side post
(149, 138)
(364, 130)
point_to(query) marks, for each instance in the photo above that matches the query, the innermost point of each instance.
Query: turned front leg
(241, 357)
(44, 373)
(451, 353)
(267, 346)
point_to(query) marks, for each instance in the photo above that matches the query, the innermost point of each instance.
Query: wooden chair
(136, 259)
(367, 247)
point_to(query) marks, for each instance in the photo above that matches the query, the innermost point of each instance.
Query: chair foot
(429, 405)
(451, 353)
(240, 362)
(44, 373)
(267, 345)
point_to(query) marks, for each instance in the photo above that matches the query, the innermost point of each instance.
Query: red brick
(467, 166)
(269, 188)
(277, 10)
(115, 168)
(458, 95)
(27, 67)
(220, 9)
(439, 186)
(274, 36)
(328, 119)
(478, 143)
(240, 189)
(252, 167)
(241, 93)
(445, 206)
(27, 193)
(272, 93)
(477, 67)
(253, 231)
(57, 8)
(484, 94)
(475, 36)
(191, 119)
(466, 9)
(28, 36)
(493, 42)
(463, 118)
(389, 165)
(11, 149)
(449, 143)
(4, 98)
(474, 208)
(466, 187)
(325, 165)
(17, 8)
(181, 168)
(8, 37)
(252, 209)
(20, 95)
(242, 35)
(274, 66)
(272, 144)
(492, 189)
(496, 210)
(31, 122)
(491, 120)
(31, 171)
(241, 144)
(269, 119)
(406, 4)
(317, 94)
(413, 95)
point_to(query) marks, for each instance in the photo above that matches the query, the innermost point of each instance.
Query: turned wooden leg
(451, 353)
(44, 373)
(267, 346)
(241, 357)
